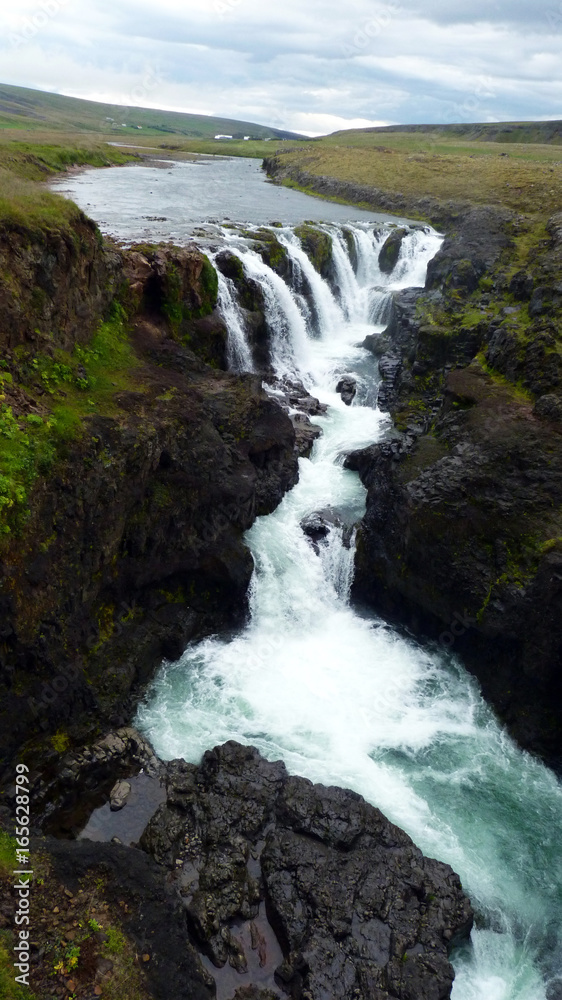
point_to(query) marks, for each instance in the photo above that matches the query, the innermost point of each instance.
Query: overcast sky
(313, 66)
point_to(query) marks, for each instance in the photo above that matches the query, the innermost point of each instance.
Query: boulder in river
(352, 907)
(347, 388)
(390, 250)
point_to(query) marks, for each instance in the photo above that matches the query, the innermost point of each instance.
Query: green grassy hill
(34, 109)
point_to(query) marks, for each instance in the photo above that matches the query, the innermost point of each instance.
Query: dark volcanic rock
(318, 526)
(356, 908)
(55, 285)
(455, 526)
(300, 406)
(347, 388)
(152, 915)
(390, 250)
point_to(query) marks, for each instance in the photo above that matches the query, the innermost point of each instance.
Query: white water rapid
(341, 697)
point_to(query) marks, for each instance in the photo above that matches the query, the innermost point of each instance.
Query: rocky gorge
(108, 570)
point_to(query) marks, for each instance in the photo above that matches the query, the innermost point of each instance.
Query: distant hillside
(533, 132)
(34, 109)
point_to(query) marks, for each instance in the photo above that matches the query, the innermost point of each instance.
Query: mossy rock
(390, 251)
(317, 246)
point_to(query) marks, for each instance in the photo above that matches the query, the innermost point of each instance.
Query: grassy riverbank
(523, 177)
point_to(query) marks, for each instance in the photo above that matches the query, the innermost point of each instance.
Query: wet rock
(83, 774)
(317, 527)
(357, 909)
(390, 250)
(487, 463)
(119, 794)
(300, 406)
(347, 388)
(317, 245)
(306, 433)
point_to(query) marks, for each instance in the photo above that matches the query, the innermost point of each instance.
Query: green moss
(7, 853)
(74, 386)
(176, 309)
(116, 941)
(316, 244)
(518, 392)
(9, 989)
(209, 285)
(60, 741)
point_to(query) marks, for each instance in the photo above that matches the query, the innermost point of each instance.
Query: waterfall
(239, 355)
(340, 695)
(329, 313)
(355, 303)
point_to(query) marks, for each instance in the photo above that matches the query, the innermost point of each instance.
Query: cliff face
(133, 469)
(54, 283)
(462, 538)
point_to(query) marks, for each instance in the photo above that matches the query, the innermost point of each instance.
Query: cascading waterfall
(239, 355)
(343, 698)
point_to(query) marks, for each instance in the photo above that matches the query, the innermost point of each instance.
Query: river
(336, 693)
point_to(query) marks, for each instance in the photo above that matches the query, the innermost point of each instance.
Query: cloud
(310, 67)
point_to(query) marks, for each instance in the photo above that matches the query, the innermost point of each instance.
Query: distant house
(223, 137)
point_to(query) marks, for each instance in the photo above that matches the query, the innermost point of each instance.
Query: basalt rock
(300, 406)
(334, 899)
(347, 388)
(55, 284)
(134, 539)
(463, 523)
(251, 884)
(461, 536)
(390, 250)
(317, 245)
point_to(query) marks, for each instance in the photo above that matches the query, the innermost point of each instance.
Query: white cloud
(310, 67)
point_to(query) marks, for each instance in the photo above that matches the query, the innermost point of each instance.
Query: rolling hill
(21, 108)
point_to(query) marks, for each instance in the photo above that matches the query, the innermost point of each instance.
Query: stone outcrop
(335, 899)
(55, 283)
(462, 535)
(250, 884)
(390, 250)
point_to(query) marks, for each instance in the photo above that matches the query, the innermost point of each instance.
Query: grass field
(521, 176)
